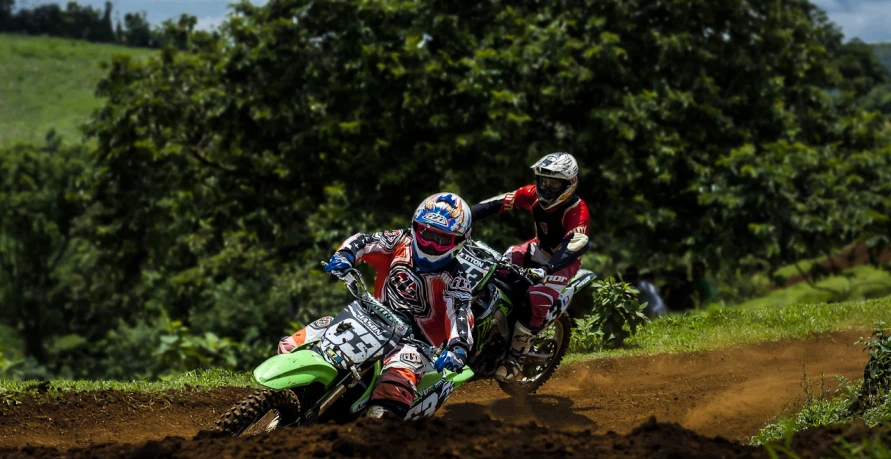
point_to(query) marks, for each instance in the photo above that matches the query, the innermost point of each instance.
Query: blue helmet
(439, 230)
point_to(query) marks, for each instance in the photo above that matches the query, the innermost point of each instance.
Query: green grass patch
(199, 379)
(856, 283)
(805, 265)
(818, 407)
(869, 399)
(49, 83)
(722, 327)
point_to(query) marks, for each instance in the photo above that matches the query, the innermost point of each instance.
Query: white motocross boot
(379, 412)
(520, 346)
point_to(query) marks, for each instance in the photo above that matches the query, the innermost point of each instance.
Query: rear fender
(581, 280)
(298, 368)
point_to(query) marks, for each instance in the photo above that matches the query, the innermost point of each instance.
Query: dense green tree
(137, 30)
(214, 161)
(229, 165)
(37, 211)
(860, 68)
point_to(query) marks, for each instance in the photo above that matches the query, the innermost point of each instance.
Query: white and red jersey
(561, 232)
(438, 301)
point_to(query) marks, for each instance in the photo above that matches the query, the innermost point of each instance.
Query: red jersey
(439, 301)
(561, 232)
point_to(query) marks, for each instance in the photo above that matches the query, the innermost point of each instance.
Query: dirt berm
(592, 407)
(440, 438)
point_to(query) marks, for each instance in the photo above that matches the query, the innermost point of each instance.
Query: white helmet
(556, 177)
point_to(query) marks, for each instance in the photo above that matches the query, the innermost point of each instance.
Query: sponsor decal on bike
(370, 325)
(472, 260)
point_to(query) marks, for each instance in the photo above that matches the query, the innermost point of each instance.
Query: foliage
(37, 209)
(87, 23)
(860, 68)
(163, 348)
(615, 316)
(75, 21)
(200, 380)
(878, 99)
(49, 84)
(861, 282)
(226, 166)
(877, 375)
(883, 53)
(823, 407)
(868, 398)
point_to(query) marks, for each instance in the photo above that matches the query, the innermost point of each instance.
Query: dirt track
(730, 393)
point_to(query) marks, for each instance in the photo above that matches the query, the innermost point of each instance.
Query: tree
(37, 212)
(860, 68)
(6, 7)
(222, 175)
(137, 31)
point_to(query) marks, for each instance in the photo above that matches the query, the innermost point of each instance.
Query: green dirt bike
(332, 378)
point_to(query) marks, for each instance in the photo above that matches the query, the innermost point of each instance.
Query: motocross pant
(397, 387)
(311, 332)
(541, 296)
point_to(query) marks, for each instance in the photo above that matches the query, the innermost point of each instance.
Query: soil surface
(706, 403)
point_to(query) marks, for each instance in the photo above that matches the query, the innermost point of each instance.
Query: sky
(869, 20)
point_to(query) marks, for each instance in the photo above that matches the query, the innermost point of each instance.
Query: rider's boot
(520, 346)
(379, 412)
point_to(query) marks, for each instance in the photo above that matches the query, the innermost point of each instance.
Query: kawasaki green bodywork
(296, 369)
(304, 366)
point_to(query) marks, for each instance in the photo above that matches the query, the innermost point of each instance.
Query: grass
(805, 265)
(49, 83)
(723, 327)
(199, 379)
(868, 399)
(715, 328)
(853, 284)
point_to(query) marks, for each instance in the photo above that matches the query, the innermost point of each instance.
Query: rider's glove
(339, 262)
(453, 360)
(536, 274)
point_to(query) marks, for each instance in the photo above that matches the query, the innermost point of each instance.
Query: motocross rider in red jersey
(553, 256)
(421, 277)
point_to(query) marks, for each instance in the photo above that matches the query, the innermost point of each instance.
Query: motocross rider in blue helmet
(420, 276)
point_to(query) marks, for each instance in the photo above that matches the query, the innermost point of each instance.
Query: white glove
(536, 274)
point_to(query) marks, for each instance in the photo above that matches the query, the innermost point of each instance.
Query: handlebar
(353, 280)
(500, 260)
(355, 284)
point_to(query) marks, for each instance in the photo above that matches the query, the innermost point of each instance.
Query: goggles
(434, 241)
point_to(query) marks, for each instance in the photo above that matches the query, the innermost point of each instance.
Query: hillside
(48, 83)
(883, 51)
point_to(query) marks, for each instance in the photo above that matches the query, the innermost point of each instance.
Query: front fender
(298, 368)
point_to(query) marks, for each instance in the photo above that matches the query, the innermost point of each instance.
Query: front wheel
(548, 348)
(263, 411)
